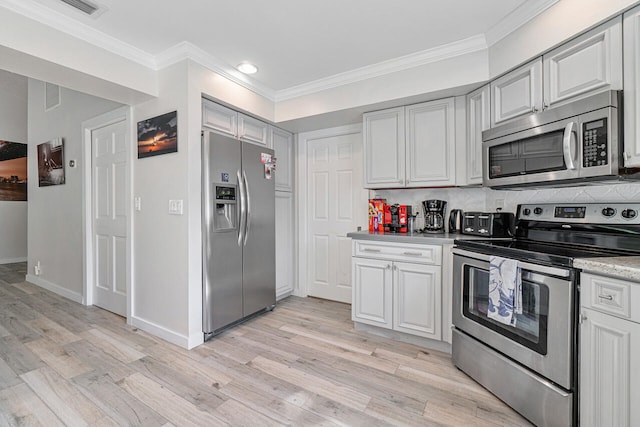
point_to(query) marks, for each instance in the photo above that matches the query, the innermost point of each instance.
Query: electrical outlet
(175, 207)
(37, 269)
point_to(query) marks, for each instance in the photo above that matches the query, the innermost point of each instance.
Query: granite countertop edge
(624, 267)
(418, 238)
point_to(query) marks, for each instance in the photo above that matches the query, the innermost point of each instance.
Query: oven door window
(530, 328)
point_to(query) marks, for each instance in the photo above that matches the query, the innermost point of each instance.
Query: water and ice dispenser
(225, 214)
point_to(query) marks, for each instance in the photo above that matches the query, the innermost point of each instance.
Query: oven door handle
(536, 268)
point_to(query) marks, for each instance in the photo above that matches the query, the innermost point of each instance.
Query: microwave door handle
(569, 145)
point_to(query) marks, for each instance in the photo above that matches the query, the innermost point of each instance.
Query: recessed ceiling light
(247, 68)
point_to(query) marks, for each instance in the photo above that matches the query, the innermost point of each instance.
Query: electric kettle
(455, 220)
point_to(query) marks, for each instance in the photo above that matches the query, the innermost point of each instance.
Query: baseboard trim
(180, 340)
(12, 260)
(56, 289)
(401, 336)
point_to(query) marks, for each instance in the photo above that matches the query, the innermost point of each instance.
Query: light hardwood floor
(303, 364)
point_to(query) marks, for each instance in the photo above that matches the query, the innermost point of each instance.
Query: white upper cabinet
(581, 67)
(282, 142)
(219, 118)
(384, 148)
(253, 130)
(430, 144)
(587, 64)
(411, 146)
(226, 121)
(632, 88)
(478, 119)
(517, 93)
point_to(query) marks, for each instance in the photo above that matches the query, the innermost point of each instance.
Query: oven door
(542, 338)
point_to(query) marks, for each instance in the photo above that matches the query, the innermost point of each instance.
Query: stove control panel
(592, 213)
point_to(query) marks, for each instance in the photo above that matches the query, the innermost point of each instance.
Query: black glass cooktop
(549, 253)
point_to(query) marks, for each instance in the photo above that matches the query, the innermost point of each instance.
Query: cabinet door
(372, 292)
(587, 64)
(283, 146)
(517, 93)
(285, 254)
(417, 300)
(609, 383)
(384, 148)
(219, 119)
(632, 88)
(430, 149)
(253, 130)
(477, 120)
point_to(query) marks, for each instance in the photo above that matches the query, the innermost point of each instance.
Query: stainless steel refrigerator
(238, 224)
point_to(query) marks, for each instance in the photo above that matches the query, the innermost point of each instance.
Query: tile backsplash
(484, 199)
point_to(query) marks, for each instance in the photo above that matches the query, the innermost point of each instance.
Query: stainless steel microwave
(576, 142)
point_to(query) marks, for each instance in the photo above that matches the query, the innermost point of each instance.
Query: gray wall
(13, 127)
(55, 212)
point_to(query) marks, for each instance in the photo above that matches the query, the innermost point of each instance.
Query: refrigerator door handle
(248, 211)
(243, 210)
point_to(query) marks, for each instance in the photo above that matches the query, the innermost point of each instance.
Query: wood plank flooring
(303, 364)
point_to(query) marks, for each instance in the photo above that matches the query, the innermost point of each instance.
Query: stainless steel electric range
(532, 363)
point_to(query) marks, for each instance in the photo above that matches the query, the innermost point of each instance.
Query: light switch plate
(175, 207)
(137, 204)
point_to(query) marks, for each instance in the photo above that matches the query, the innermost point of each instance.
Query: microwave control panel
(594, 143)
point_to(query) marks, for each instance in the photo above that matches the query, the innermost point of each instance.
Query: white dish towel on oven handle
(505, 290)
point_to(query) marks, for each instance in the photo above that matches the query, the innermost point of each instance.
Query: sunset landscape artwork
(158, 135)
(13, 171)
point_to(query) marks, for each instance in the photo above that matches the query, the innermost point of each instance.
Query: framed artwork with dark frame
(158, 135)
(51, 163)
(13, 171)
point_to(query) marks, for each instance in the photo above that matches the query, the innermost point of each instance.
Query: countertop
(418, 238)
(625, 267)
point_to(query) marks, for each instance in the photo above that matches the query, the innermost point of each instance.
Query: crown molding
(74, 28)
(186, 50)
(439, 53)
(517, 18)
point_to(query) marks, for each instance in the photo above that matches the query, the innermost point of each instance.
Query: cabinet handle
(545, 106)
(388, 267)
(395, 267)
(607, 297)
(371, 250)
(413, 253)
(534, 109)
(582, 318)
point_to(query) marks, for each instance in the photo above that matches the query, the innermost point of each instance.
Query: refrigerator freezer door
(259, 264)
(222, 254)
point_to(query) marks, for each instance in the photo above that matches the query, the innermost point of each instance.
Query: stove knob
(537, 211)
(608, 212)
(629, 213)
(526, 211)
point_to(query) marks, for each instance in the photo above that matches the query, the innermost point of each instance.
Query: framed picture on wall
(158, 135)
(13, 171)
(51, 163)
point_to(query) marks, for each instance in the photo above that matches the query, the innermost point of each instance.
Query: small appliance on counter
(488, 224)
(434, 212)
(455, 220)
(397, 218)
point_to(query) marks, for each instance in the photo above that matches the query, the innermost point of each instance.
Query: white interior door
(336, 205)
(110, 151)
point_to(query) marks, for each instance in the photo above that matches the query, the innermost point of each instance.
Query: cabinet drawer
(608, 295)
(407, 252)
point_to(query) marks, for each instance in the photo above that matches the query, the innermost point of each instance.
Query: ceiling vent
(82, 5)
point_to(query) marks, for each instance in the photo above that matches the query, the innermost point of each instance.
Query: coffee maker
(434, 215)
(396, 218)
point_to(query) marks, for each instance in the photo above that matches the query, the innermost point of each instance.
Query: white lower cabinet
(398, 287)
(416, 296)
(609, 350)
